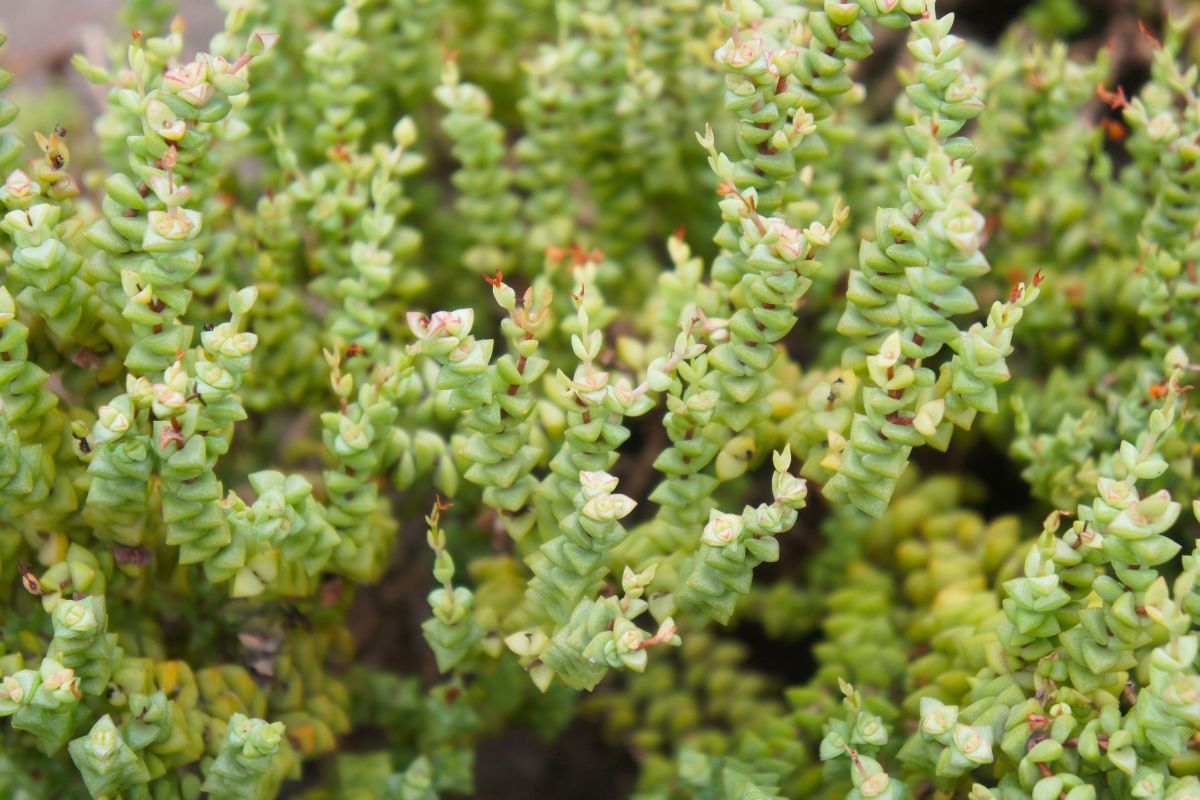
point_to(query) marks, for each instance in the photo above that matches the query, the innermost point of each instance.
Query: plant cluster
(660, 333)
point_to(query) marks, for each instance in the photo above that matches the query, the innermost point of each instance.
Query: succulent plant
(531, 291)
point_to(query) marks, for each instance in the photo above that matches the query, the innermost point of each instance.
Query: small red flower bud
(30, 581)
(1148, 35)
(1112, 129)
(1115, 100)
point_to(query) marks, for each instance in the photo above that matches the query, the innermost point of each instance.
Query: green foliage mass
(631, 318)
